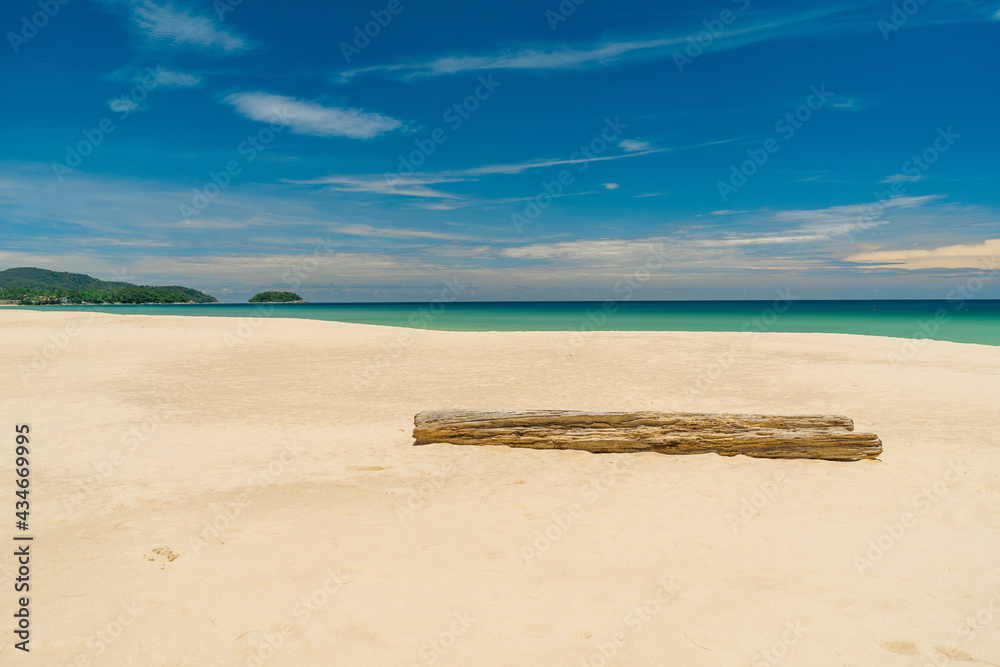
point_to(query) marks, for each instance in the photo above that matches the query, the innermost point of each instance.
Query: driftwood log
(766, 436)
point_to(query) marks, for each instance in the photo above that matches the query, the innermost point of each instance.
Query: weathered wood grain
(767, 436)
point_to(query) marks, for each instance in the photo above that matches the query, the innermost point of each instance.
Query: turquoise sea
(959, 320)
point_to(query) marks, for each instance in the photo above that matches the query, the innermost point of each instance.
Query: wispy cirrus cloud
(527, 59)
(304, 117)
(451, 204)
(173, 25)
(748, 28)
(149, 79)
(904, 178)
(388, 184)
(174, 79)
(417, 185)
(810, 231)
(840, 220)
(759, 28)
(634, 145)
(157, 76)
(396, 233)
(849, 103)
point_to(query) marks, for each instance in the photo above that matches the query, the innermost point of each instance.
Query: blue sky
(361, 151)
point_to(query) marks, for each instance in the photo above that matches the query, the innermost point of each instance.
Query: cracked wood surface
(767, 436)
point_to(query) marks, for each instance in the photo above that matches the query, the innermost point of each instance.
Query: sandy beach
(212, 491)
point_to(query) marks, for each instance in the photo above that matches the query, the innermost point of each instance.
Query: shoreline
(178, 454)
(903, 339)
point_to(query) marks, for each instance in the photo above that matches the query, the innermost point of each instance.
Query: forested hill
(31, 286)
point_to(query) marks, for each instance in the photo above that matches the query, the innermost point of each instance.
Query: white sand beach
(204, 494)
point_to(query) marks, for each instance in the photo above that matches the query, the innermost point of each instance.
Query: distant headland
(28, 286)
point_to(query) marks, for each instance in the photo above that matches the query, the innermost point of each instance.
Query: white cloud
(839, 220)
(151, 77)
(415, 186)
(383, 232)
(452, 204)
(611, 186)
(971, 256)
(611, 53)
(519, 167)
(904, 178)
(631, 145)
(407, 186)
(815, 228)
(122, 105)
(588, 250)
(176, 26)
(171, 79)
(848, 103)
(304, 117)
(528, 59)
(212, 224)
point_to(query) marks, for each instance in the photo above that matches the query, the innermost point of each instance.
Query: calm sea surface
(972, 321)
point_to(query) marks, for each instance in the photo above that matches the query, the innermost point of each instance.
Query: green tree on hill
(35, 287)
(281, 297)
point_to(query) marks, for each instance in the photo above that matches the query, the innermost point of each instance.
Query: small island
(276, 297)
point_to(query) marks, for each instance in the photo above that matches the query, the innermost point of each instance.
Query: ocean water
(962, 321)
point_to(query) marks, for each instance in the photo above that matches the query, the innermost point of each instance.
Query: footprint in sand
(162, 555)
(901, 648)
(954, 653)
